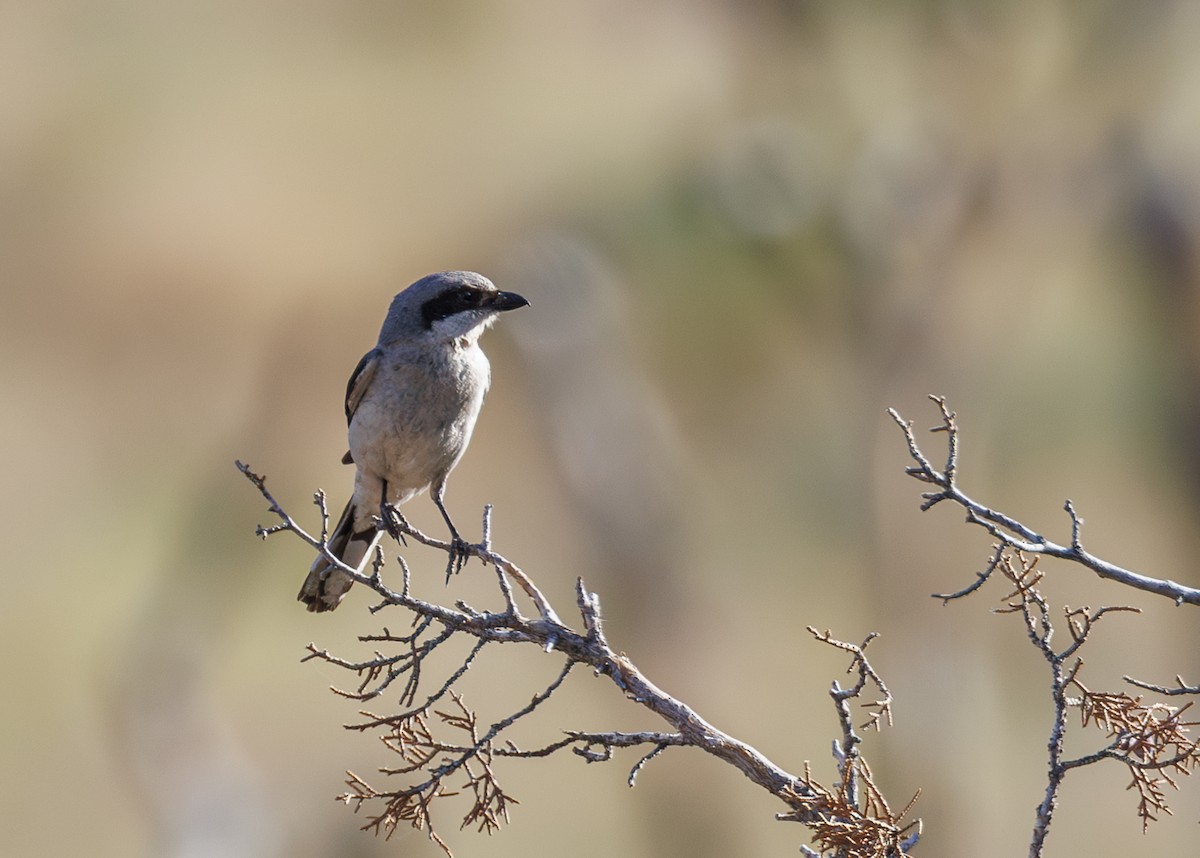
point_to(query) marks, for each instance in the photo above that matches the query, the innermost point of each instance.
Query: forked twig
(1150, 739)
(437, 764)
(1006, 530)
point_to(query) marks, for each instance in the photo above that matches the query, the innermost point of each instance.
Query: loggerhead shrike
(411, 403)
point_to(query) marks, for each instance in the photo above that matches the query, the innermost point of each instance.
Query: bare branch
(1010, 532)
(1180, 687)
(1151, 740)
(415, 734)
(1148, 739)
(981, 578)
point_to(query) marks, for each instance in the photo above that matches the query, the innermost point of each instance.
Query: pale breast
(416, 418)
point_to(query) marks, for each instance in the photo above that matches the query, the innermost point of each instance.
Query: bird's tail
(326, 584)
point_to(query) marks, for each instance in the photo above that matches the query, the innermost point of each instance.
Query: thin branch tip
(443, 748)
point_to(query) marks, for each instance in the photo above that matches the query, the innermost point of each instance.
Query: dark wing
(359, 381)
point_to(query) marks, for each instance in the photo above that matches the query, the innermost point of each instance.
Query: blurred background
(746, 229)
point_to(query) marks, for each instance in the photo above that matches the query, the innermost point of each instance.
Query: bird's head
(447, 306)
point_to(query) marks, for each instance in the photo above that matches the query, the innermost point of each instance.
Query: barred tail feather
(326, 584)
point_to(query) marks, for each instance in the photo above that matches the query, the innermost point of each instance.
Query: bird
(411, 407)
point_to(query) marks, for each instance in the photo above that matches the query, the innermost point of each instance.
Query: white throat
(465, 327)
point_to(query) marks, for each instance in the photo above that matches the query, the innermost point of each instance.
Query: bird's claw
(460, 553)
(393, 521)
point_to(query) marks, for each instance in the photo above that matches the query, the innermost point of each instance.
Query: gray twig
(1007, 530)
(411, 732)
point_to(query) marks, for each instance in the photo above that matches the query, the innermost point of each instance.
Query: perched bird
(411, 405)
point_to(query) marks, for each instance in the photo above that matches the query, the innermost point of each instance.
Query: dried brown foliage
(412, 739)
(446, 750)
(853, 818)
(1150, 739)
(864, 827)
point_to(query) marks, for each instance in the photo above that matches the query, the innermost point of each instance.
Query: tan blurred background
(746, 229)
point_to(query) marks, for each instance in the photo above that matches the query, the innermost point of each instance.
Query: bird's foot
(393, 520)
(460, 553)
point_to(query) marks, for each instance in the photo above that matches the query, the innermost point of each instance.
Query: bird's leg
(459, 548)
(391, 517)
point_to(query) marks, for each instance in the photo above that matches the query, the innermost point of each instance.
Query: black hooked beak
(502, 301)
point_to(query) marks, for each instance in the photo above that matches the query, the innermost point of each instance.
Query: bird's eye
(449, 303)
